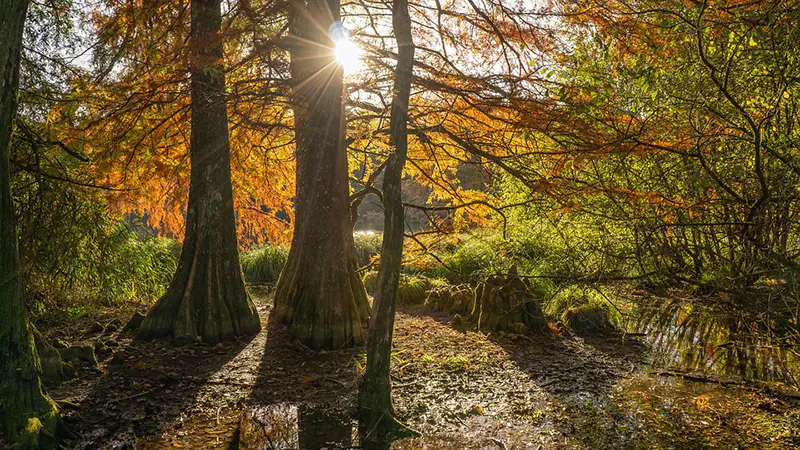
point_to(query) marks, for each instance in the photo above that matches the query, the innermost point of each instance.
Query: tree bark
(375, 402)
(319, 294)
(206, 299)
(27, 416)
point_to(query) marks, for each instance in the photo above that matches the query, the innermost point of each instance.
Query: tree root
(388, 428)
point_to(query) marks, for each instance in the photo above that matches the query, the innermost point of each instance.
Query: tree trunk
(375, 403)
(319, 294)
(206, 300)
(27, 415)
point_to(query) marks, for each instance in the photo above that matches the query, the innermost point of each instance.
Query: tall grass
(263, 265)
(368, 246)
(112, 266)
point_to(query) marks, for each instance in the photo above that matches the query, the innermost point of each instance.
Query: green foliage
(413, 288)
(469, 257)
(74, 251)
(111, 265)
(547, 253)
(264, 264)
(584, 308)
(368, 246)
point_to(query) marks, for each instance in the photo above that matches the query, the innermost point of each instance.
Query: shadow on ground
(145, 389)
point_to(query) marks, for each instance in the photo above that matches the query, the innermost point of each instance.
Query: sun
(348, 53)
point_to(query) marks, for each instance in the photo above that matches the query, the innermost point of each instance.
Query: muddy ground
(459, 390)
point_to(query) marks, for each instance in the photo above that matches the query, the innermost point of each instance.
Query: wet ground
(460, 390)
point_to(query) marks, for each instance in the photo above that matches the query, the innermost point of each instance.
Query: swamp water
(707, 380)
(696, 339)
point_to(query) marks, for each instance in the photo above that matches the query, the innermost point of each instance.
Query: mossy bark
(27, 416)
(206, 299)
(376, 416)
(319, 294)
(50, 361)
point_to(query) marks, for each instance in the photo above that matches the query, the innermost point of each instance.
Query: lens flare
(348, 54)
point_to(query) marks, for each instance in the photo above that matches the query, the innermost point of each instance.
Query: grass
(368, 246)
(263, 265)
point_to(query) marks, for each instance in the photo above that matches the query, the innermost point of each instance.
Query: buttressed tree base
(207, 299)
(320, 294)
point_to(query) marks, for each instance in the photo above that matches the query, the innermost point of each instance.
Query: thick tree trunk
(207, 299)
(375, 394)
(27, 415)
(319, 294)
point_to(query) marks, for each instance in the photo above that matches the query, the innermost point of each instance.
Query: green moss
(414, 288)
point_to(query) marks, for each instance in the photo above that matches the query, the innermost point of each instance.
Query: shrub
(264, 264)
(585, 309)
(412, 289)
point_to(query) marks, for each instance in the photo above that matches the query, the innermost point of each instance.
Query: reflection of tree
(273, 426)
(318, 428)
(700, 338)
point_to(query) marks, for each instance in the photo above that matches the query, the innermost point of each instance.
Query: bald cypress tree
(319, 294)
(207, 299)
(375, 403)
(27, 415)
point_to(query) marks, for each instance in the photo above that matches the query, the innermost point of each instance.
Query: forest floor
(460, 390)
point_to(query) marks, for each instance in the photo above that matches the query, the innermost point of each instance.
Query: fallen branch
(746, 384)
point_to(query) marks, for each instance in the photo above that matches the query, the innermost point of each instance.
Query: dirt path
(461, 390)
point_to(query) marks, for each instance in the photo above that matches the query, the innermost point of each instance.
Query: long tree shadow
(144, 389)
(562, 364)
(598, 391)
(302, 398)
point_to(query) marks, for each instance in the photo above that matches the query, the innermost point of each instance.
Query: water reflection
(296, 426)
(285, 426)
(692, 338)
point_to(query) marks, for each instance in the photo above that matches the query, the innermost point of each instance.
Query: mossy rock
(52, 364)
(83, 353)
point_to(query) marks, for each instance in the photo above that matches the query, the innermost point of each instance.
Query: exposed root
(388, 428)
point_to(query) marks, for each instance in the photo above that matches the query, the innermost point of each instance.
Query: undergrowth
(263, 265)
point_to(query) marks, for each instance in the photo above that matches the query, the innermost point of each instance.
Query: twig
(499, 443)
